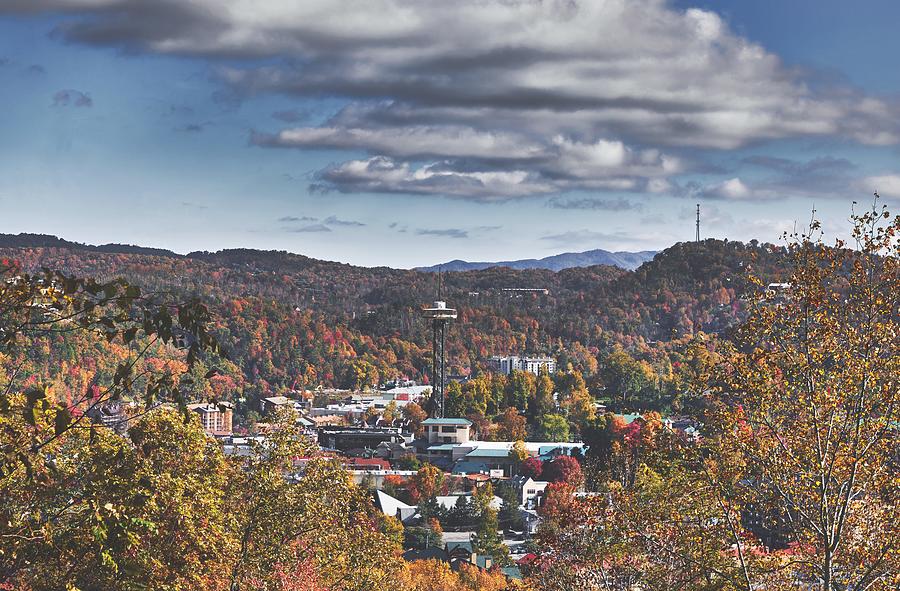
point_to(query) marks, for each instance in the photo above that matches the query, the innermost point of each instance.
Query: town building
(216, 418)
(533, 365)
(355, 440)
(447, 431)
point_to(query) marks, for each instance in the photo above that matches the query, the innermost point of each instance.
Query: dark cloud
(74, 98)
(447, 233)
(36, 69)
(291, 219)
(595, 203)
(179, 110)
(822, 164)
(824, 176)
(312, 228)
(334, 221)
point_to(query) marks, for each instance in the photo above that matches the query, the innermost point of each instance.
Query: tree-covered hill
(295, 321)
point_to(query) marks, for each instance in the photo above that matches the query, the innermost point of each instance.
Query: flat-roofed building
(529, 364)
(447, 430)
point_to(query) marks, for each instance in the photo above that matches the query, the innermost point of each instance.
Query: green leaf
(129, 335)
(62, 420)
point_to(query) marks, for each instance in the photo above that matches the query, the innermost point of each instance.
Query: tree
(542, 403)
(427, 483)
(627, 379)
(67, 489)
(565, 469)
(554, 427)
(487, 539)
(511, 425)
(518, 453)
(509, 517)
(807, 406)
(532, 468)
(120, 510)
(413, 413)
(520, 389)
(423, 536)
(321, 517)
(436, 575)
(794, 482)
(463, 514)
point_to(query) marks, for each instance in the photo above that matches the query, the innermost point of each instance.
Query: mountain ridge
(566, 260)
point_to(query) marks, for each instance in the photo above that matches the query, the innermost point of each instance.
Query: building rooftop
(482, 452)
(434, 421)
(443, 447)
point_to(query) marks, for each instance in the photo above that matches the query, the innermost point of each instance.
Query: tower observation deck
(440, 315)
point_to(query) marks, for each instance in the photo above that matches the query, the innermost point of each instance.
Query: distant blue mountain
(566, 260)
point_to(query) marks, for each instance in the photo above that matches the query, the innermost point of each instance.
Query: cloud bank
(494, 99)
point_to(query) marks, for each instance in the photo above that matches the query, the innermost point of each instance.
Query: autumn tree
(53, 489)
(427, 483)
(532, 468)
(511, 425)
(518, 453)
(563, 469)
(414, 413)
(808, 411)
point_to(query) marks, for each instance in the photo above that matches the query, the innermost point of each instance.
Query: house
(270, 404)
(449, 501)
(391, 450)
(366, 464)
(113, 414)
(493, 457)
(394, 507)
(374, 479)
(529, 490)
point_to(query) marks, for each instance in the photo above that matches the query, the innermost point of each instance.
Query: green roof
(451, 546)
(488, 453)
(442, 447)
(464, 422)
(631, 417)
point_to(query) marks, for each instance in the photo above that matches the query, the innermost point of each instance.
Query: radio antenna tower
(698, 223)
(440, 315)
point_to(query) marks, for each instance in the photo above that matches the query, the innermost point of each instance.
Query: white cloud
(887, 185)
(413, 141)
(381, 174)
(731, 189)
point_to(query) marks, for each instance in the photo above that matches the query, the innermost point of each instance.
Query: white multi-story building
(530, 364)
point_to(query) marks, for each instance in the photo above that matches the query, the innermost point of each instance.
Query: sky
(411, 132)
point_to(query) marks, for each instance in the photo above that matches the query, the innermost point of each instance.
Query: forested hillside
(291, 321)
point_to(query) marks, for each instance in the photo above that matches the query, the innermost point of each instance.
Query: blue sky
(393, 132)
